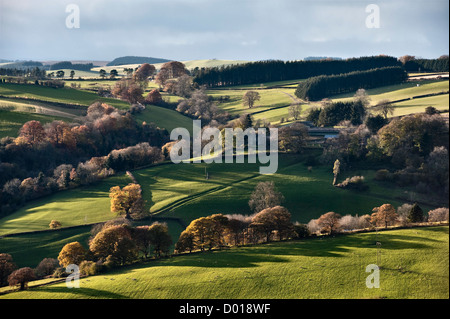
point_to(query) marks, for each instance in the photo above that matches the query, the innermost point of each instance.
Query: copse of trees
(73, 66)
(413, 150)
(322, 86)
(217, 231)
(276, 70)
(411, 64)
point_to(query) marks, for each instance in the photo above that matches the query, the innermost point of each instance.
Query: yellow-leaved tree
(127, 201)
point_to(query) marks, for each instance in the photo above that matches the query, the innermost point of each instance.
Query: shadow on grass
(337, 246)
(278, 252)
(83, 293)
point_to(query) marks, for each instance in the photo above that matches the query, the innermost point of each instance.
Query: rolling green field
(79, 206)
(413, 265)
(78, 73)
(182, 191)
(11, 122)
(164, 118)
(269, 98)
(276, 97)
(64, 95)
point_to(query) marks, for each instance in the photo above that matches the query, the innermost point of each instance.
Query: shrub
(55, 224)
(438, 215)
(383, 175)
(88, 268)
(46, 267)
(60, 272)
(355, 182)
(301, 230)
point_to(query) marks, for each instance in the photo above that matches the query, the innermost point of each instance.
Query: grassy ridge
(414, 264)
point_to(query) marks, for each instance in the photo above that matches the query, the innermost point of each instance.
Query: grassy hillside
(11, 122)
(270, 108)
(182, 191)
(83, 205)
(164, 118)
(64, 95)
(414, 265)
(78, 73)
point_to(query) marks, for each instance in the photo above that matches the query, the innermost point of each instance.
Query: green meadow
(65, 95)
(11, 122)
(164, 118)
(413, 265)
(182, 191)
(274, 104)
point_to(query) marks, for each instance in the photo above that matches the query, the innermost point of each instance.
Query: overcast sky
(222, 29)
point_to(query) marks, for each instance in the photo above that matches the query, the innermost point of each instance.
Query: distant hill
(135, 60)
(313, 58)
(21, 65)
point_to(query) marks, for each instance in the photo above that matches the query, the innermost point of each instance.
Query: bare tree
(295, 110)
(385, 107)
(264, 196)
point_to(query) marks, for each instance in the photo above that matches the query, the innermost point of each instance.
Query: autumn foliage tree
(273, 219)
(32, 132)
(127, 201)
(170, 70)
(21, 277)
(385, 215)
(329, 222)
(153, 97)
(114, 244)
(128, 90)
(142, 74)
(72, 253)
(160, 238)
(7, 266)
(185, 242)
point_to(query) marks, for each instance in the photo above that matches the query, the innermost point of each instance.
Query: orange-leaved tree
(127, 201)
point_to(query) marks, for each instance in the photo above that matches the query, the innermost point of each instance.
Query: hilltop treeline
(427, 65)
(70, 65)
(322, 86)
(276, 70)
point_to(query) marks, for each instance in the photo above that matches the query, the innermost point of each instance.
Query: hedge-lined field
(413, 265)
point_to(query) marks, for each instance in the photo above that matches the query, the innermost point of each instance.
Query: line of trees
(116, 242)
(276, 70)
(317, 88)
